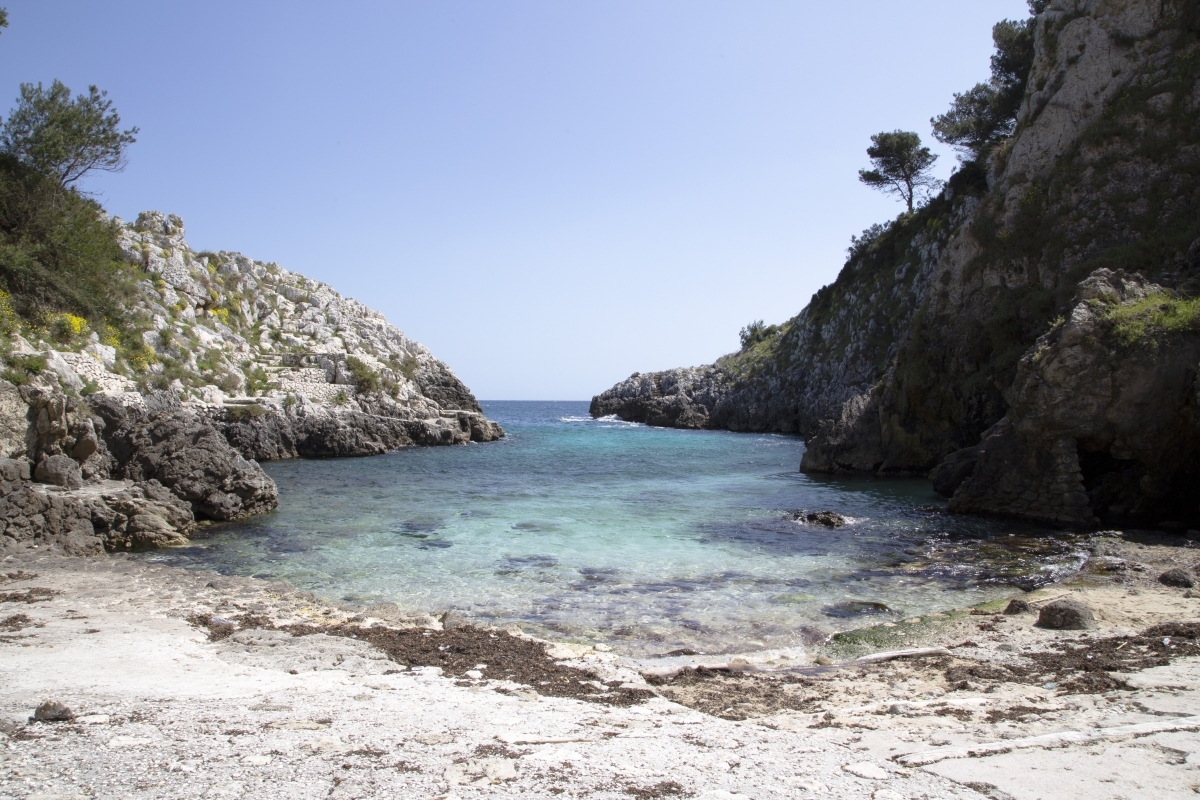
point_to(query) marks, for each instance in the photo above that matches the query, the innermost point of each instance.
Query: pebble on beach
(53, 711)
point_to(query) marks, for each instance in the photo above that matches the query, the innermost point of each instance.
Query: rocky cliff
(910, 355)
(104, 445)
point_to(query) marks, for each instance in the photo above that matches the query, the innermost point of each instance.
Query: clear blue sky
(550, 195)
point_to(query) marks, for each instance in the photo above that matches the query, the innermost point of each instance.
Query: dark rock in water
(827, 519)
(677, 398)
(60, 471)
(452, 620)
(1178, 577)
(855, 608)
(1066, 615)
(1018, 606)
(187, 455)
(951, 473)
(321, 432)
(53, 711)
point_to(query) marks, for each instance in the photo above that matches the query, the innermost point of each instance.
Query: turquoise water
(647, 539)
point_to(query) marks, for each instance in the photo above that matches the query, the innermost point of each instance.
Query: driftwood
(918, 652)
(1049, 740)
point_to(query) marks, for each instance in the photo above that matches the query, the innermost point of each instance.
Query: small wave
(610, 420)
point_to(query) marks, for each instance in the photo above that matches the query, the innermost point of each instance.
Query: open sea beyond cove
(649, 540)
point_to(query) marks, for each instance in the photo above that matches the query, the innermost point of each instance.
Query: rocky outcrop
(907, 358)
(307, 430)
(105, 515)
(123, 445)
(677, 398)
(1104, 415)
(224, 329)
(111, 473)
(163, 441)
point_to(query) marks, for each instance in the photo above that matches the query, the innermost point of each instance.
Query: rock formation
(108, 447)
(908, 358)
(1095, 425)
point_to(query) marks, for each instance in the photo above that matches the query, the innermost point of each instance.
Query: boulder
(1179, 577)
(165, 442)
(452, 620)
(954, 470)
(1018, 606)
(142, 516)
(1066, 615)
(60, 471)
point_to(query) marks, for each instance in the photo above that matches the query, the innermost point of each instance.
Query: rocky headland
(1027, 336)
(108, 446)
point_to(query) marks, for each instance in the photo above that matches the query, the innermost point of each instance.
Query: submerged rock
(854, 608)
(826, 519)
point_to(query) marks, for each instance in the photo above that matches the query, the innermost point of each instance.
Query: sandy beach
(187, 684)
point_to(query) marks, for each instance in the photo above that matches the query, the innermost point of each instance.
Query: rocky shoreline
(1030, 335)
(246, 687)
(103, 449)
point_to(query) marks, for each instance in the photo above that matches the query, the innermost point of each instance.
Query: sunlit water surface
(647, 539)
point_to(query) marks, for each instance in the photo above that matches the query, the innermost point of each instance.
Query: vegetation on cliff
(62, 276)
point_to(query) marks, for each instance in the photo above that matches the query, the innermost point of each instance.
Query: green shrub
(341, 398)
(228, 382)
(365, 379)
(757, 332)
(406, 366)
(243, 413)
(58, 254)
(22, 369)
(257, 381)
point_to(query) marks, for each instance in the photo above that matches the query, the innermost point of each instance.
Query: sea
(648, 540)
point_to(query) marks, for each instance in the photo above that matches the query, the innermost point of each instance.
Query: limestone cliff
(104, 446)
(908, 355)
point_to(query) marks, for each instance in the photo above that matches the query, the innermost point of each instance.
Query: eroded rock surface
(1095, 426)
(170, 444)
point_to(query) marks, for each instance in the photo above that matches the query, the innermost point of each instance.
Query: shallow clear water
(647, 539)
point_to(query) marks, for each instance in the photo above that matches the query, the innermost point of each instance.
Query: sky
(549, 195)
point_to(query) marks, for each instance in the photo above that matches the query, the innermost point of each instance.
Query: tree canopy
(65, 139)
(984, 115)
(901, 165)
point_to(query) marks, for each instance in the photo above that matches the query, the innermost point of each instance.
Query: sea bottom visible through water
(649, 540)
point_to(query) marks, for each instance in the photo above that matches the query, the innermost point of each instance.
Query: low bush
(243, 413)
(365, 379)
(23, 369)
(1159, 314)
